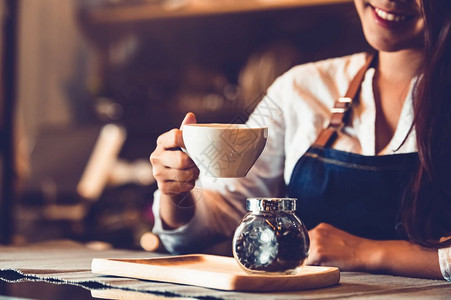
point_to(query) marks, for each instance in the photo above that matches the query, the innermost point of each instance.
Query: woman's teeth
(389, 16)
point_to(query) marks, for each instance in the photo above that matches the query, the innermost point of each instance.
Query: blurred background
(88, 85)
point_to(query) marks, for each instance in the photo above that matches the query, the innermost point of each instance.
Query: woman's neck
(394, 73)
(398, 67)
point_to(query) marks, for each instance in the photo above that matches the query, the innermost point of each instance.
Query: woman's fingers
(190, 118)
(168, 153)
(175, 159)
(173, 139)
(173, 169)
(170, 140)
(188, 175)
(334, 247)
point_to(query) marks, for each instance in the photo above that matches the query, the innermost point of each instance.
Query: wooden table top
(69, 263)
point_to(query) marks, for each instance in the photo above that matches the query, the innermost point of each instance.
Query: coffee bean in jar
(271, 238)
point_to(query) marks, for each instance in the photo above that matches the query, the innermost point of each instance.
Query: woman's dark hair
(426, 210)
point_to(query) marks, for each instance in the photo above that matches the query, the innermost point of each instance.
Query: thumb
(190, 118)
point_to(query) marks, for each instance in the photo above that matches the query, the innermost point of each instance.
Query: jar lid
(271, 204)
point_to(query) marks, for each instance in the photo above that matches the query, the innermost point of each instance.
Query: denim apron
(356, 193)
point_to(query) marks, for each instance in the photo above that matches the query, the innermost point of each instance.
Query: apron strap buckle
(341, 105)
(340, 110)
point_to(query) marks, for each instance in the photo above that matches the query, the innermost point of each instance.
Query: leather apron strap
(340, 111)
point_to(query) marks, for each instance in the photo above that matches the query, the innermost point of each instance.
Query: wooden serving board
(217, 272)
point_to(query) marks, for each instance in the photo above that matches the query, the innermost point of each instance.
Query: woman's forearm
(177, 210)
(405, 259)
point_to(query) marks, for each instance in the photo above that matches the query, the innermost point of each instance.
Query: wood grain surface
(217, 272)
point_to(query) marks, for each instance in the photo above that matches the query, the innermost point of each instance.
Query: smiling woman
(391, 25)
(373, 182)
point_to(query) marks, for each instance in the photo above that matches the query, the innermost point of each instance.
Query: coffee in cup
(224, 150)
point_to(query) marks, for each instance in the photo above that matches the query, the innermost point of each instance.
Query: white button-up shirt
(295, 109)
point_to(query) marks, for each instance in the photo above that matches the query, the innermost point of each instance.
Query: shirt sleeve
(220, 202)
(444, 258)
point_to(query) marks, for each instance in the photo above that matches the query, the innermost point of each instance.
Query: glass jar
(271, 238)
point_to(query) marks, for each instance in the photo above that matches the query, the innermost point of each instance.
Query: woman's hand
(176, 175)
(330, 246)
(173, 170)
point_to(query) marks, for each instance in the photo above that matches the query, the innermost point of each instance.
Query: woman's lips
(387, 16)
(390, 19)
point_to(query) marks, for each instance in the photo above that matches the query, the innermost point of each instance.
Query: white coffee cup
(224, 150)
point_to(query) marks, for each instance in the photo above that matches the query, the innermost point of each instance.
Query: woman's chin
(391, 45)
